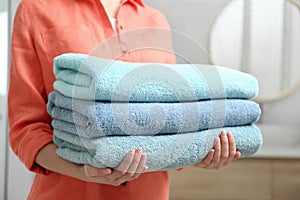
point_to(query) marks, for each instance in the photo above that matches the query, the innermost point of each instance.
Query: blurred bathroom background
(261, 37)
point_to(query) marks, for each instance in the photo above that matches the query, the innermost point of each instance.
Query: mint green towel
(164, 152)
(91, 78)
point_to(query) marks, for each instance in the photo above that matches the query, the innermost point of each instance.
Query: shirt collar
(140, 2)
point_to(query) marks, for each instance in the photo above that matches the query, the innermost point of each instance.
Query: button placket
(124, 51)
(123, 45)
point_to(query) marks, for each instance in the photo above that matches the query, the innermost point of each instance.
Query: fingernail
(130, 173)
(132, 151)
(138, 150)
(216, 141)
(107, 171)
(223, 134)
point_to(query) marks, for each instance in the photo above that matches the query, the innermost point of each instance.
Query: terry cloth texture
(102, 109)
(164, 152)
(91, 78)
(91, 119)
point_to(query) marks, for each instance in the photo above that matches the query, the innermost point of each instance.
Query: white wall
(193, 19)
(19, 179)
(3, 72)
(2, 146)
(272, 42)
(262, 37)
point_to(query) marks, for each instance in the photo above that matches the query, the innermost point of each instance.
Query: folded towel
(63, 144)
(164, 152)
(86, 77)
(94, 119)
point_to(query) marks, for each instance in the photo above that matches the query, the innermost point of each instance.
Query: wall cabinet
(245, 179)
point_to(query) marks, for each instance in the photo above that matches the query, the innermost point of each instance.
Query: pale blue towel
(86, 77)
(164, 152)
(94, 119)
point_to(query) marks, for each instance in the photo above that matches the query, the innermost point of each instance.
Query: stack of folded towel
(101, 109)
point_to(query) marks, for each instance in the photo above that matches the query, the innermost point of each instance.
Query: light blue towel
(86, 77)
(164, 152)
(94, 119)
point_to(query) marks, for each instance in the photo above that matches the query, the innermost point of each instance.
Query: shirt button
(124, 51)
(121, 27)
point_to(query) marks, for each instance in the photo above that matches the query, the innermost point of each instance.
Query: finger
(96, 172)
(136, 175)
(142, 164)
(136, 160)
(217, 153)
(125, 164)
(237, 155)
(224, 149)
(207, 159)
(122, 179)
(128, 177)
(224, 146)
(232, 148)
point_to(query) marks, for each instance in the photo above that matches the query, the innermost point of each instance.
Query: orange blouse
(44, 29)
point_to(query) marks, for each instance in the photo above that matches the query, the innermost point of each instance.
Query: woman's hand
(133, 165)
(223, 153)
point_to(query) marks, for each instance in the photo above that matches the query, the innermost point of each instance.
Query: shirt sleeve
(29, 122)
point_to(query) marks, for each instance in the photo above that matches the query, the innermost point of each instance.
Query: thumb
(94, 172)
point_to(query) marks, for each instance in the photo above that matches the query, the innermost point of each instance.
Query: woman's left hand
(222, 154)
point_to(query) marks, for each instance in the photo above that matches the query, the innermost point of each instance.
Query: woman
(44, 29)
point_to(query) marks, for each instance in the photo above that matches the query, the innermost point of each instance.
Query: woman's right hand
(133, 165)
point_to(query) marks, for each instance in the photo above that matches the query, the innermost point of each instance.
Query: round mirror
(261, 37)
